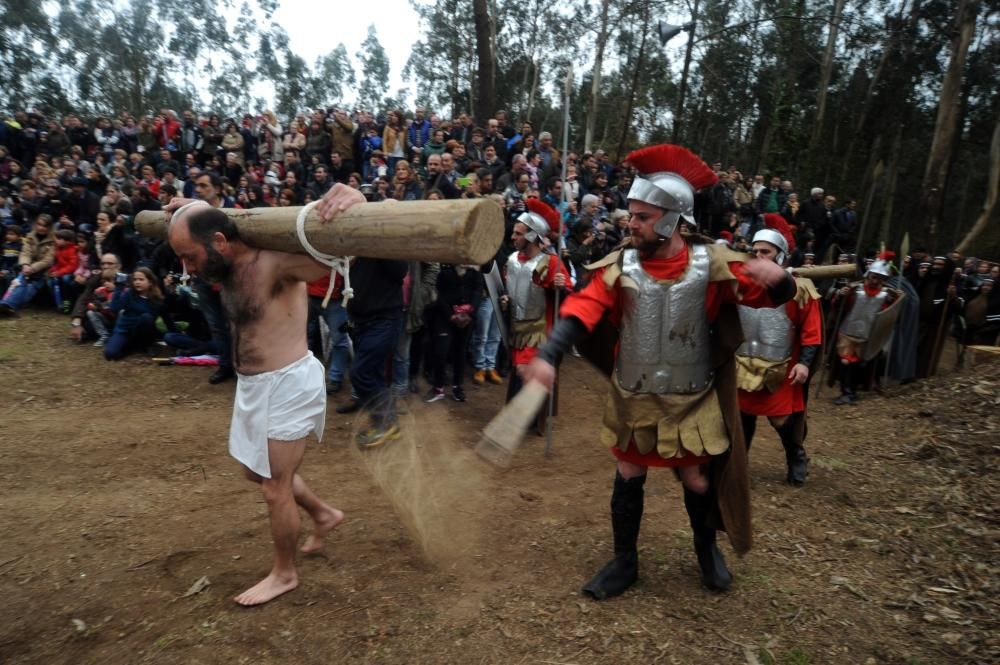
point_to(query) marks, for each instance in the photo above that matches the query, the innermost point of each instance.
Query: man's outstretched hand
(538, 370)
(764, 272)
(339, 198)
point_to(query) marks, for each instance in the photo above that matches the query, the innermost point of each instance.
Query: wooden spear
(461, 232)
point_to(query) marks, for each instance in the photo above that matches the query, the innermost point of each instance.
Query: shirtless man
(280, 393)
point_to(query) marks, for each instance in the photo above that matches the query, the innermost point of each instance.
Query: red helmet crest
(673, 159)
(546, 212)
(778, 223)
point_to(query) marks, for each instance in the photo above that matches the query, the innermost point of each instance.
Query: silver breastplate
(767, 333)
(665, 335)
(526, 297)
(861, 318)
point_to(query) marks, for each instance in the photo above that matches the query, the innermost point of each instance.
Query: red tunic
(525, 355)
(788, 398)
(591, 302)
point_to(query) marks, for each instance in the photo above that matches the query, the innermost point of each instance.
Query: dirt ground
(118, 496)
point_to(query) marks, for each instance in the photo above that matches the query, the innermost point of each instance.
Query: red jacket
(67, 261)
(168, 131)
(320, 286)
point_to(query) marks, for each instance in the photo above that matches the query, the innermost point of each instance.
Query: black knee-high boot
(749, 422)
(714, 573)
(626, 515)
(795, 454)
(848, 383)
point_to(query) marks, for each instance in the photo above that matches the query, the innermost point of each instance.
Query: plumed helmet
(537, 228)
(536, 219)
(777, 233)
(669, 175)
(879, 267)
(540, 218)
(551, 216)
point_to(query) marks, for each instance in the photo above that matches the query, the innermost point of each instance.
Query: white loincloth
(285, 404)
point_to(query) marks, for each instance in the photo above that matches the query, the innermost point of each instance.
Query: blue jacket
(131, 308)
(419, 133)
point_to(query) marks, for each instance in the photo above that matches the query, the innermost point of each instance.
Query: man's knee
(276, 490)
(693, 479)
(252, 476)
(628, 470)
(777, 421)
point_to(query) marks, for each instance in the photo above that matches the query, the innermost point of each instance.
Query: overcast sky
(315, 27)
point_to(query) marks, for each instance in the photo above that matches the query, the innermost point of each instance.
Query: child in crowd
(11, 252)
(61, 273)
(137, 309)
(87, 263)
(99, 313)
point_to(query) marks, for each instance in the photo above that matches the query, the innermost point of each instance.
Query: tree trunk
(688, 51)
(778, 90)
(892, 181)
(472, 89)
(860, 248)
(595, 82)
(897, 34)
(636, 67)
(456, 98)
(746, 131)
(534, 87)
(946, 129)
(989, 209)
(486, 102)
(825, 73)
(530, 71)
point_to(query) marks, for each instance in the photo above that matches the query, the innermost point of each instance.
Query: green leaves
(374, 71)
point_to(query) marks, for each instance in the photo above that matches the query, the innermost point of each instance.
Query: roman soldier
(856, 344)
(778, 350)
(672, 401)
(534, 272)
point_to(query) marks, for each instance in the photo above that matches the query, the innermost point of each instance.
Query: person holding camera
(516, 194)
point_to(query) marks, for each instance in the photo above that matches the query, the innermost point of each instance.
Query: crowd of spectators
(69, 192)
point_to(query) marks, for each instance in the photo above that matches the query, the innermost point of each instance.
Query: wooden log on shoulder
(834, 271)
(462, 231)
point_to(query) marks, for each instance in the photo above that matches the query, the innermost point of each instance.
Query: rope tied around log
(337, 264)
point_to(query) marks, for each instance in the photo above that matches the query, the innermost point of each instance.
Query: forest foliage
(876, 100)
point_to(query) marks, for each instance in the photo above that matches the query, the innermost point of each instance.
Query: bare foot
(268, 588)
(314, 542)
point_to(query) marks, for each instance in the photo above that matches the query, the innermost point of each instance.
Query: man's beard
(646, 248)
(217, 269)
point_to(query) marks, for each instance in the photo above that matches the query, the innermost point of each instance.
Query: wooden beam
(462, 231)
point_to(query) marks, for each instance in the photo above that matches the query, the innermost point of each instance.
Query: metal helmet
(537, 226)
(880, 268)
(668, 177)
(668, 191)
(774, 238)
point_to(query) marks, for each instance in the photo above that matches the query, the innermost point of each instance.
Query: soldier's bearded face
(765, 250)
(642, 218)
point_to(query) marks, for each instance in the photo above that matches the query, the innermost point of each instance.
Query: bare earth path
(118, 497)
